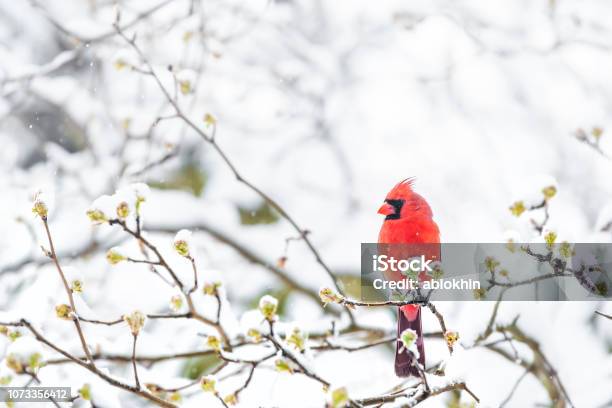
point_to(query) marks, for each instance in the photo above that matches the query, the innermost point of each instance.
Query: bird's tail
(403, 360)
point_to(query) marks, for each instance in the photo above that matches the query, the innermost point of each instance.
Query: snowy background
(324, 106)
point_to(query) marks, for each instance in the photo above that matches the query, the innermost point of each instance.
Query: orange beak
(386, 209)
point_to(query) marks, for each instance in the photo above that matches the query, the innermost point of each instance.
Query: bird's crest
(403, 189)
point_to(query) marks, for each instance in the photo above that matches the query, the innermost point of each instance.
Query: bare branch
(135, 337)
(211, 140)
(603, 314)
(75, 317)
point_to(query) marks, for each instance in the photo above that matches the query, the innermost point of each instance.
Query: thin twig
(135, 336)
(440, 318)
(149, 316)
(75, 318)
(514, 388)
(195, 278)
(417, 394)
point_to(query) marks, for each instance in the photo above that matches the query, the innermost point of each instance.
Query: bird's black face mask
(397, 206)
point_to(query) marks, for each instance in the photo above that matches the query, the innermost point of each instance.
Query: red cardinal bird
(408, 220)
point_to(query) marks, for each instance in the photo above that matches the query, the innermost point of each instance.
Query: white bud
(186, 79)
(208, 383)
(115, 255)
(135, 321)
(142, 193)
(24, 352)
(176, 302)
(102, 210)
(182, 243)
(43, 204)
(268, 306)
(74, 278)
(408, 337)
(124, 59)
(125, 202)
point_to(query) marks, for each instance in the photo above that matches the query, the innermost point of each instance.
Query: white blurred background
(324, 106)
